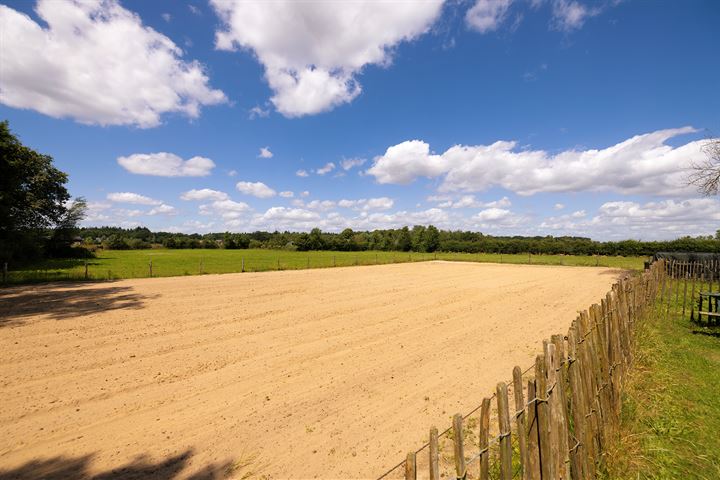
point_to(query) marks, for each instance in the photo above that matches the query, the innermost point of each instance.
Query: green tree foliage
(32, 198)
(66, 229)
(421, 239)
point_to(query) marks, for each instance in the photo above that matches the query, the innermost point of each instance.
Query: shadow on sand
(64, 468)
(65, 300)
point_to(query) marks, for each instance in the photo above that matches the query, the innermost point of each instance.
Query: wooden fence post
(506, 472)
(150, 265)
(533, 451)
(460, 469)
(410, 467)
(483, 436)
(555, 407)
(308, 262)
(582, 462)
(543, 419)
(242, 265)
(86, 270)
(5, 272)
(521, 414)
(434, 455)
(334, 264)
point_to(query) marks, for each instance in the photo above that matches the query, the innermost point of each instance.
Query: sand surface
(332, 373)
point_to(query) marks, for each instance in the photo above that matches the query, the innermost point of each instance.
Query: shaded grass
(671, 410)
(118, 264)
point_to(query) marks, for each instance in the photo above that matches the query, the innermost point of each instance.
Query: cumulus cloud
(227, 209)
(559, 206)
(204, 194)
(312, 53)
(96, 62)
(265, 153)
(404, 162)
(281, 218)
(163, 209)
(647, 221)
(469, 201)
(301, 173)
(256, 189)
(487, 15)
(134, 198)
(643, 164)
(327, 168)
(323, 205)
(163, 164)
(366, 204)
(286, 194)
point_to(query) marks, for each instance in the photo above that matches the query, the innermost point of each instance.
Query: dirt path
(330, 373)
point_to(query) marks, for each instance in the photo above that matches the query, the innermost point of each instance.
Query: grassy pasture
(118, 264)
(671, 409)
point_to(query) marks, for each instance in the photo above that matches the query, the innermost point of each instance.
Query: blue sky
(547, 117)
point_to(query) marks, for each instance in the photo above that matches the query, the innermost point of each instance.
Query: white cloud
(323, 205)
(281, 218)
(204, 194)
(286, 194)
(663, 219)
(643, 164)
(349, 163)
(301, 173)
(227, 209)
(469, 201)
(265, 153)
(492, 214)
(134, 198)
(559, 206)
(570, 15)
(163, 209)
(487, 15)
(258, 112)
(366, 204)
(167, 17)
(404, 162)
(304, 193)
(256, 189)
(312, 53)
(163, 164)
(327, 168)
(97, 63)
(232, 173)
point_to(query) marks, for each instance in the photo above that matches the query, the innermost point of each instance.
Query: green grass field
(118, 264)
(671, 406)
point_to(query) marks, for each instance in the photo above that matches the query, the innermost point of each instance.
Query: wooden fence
(693, 289)
(555, 419)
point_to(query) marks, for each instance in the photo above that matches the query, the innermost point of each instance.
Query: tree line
(417, 239)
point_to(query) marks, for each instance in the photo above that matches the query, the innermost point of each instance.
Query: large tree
(32, 197)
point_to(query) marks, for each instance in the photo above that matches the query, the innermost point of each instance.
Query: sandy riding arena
(330, 373)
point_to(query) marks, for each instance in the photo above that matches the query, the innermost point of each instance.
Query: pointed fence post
(434, 455)
(460, 468)
(410, 467)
